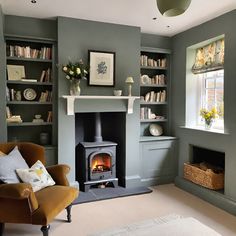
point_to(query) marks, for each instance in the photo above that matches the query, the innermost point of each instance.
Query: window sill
(200, 128)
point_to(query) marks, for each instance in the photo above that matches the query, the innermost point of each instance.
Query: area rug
(171, 225)
(96, 194)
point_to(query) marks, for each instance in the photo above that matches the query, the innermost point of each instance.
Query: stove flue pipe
(98, 128)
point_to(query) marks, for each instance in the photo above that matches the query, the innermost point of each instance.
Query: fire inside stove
(101, 163)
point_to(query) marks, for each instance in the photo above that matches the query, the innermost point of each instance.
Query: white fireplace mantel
(71, 101)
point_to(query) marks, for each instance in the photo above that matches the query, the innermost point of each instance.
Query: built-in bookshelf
(154, 90)
(30, 89)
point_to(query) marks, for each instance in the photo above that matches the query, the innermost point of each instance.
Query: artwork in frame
(101, 68)
(15, 72)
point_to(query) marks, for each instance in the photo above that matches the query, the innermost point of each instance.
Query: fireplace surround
(96, 160)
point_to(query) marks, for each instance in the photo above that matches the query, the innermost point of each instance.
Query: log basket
(206, 178)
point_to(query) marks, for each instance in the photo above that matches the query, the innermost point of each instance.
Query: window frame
(202, 94)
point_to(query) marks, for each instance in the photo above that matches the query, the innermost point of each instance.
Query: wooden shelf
(153, 68)
(28, 103)
(153, 120)
(71, 100)
(153, 103)
(156, 138)
(29, 124)
(153, 85)
(28, 82)
(29, 59)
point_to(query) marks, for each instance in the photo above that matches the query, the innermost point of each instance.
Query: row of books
(156, 79)
(146, 61)
(46, 76)
(147, 114)
(153, 96)
(46, 96)
(28, 52)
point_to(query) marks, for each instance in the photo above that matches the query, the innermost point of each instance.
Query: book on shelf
(49, 118)
(29, 80)
(8, 112)
(42, 76)
(12, 94)
(8, 98)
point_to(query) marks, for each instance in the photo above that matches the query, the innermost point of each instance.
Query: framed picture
(15, 72)
(101, 68)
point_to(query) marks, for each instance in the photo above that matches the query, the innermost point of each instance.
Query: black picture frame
(101, 68)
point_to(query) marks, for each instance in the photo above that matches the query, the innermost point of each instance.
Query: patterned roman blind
(209, 57)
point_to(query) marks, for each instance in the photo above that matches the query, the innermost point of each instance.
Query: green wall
(155, 41)
(224, 24)
(3, 129)
(75, 38)
(32, 27)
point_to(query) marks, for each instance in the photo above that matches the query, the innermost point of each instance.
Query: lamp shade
(129, 80)
(172, 7)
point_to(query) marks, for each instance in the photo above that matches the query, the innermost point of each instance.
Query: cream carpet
(164, 226)
(94, 217)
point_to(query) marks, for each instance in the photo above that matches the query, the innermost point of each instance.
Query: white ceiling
(127, 12)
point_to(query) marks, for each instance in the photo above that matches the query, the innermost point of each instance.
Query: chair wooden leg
(2, 226)
(68, 209)
(45, 230)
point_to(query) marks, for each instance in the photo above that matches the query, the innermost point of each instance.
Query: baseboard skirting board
(157, 180)
(215, 198)
(132, 181)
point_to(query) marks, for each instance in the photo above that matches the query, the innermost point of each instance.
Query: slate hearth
(97, 194)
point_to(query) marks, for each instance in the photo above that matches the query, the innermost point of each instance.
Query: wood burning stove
(96, 161)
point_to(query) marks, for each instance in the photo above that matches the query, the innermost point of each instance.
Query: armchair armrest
(58, 173)
(18, 192)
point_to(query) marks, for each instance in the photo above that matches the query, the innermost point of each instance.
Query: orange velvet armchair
(18, 202)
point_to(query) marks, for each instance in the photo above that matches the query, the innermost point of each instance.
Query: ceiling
(128, 12)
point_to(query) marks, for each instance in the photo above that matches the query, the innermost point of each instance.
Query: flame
(103, 160)
(94, 165)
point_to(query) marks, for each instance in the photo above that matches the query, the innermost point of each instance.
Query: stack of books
(14, 119)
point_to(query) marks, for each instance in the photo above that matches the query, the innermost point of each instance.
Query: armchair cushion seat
(18, 202)
(52, 200)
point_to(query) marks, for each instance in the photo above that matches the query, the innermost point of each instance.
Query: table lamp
(129, 81)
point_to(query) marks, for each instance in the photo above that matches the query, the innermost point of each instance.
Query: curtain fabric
(209, 57)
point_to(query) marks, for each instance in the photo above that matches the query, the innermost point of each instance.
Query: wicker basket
(207, 178)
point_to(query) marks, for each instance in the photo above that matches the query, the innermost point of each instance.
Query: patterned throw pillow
(37, 176)
(8, 165)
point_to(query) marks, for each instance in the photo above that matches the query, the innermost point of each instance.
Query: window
(211, 92)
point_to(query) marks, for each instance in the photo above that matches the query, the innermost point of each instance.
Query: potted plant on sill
(208, 116)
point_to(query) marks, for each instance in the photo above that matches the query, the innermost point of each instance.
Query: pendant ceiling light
(172, 7)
